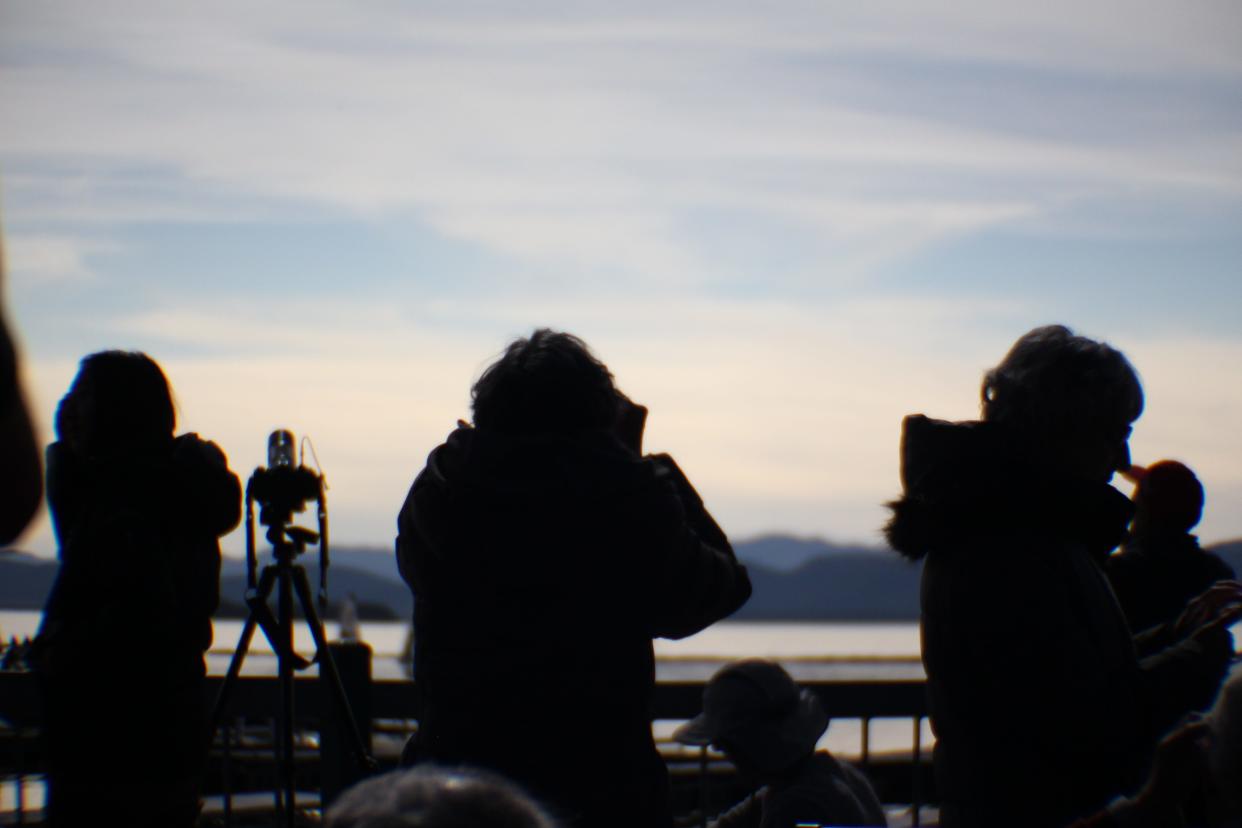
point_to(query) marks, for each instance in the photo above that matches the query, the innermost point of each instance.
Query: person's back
(136, 514)
(822, 791)
(542, 564)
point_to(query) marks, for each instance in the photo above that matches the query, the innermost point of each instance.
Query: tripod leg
(328, 663)
(239, 655)
(288, 757)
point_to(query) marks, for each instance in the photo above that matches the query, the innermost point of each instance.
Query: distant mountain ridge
(794, 579)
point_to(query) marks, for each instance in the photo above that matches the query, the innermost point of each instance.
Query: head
(755, 713)
(1168, 499)
(1068, 399)
(432, 797)
(120, 400)
(548, 383)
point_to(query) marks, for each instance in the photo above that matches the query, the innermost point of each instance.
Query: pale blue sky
(784, 225)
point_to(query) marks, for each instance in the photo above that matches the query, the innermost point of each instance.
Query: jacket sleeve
(210, 492)
(696, 578)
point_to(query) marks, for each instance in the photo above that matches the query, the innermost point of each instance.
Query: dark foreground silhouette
(1044, 704)
(137, 514)
(435, 797)
(22, 480)
(544, 553)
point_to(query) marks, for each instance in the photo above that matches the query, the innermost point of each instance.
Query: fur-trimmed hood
(965, 479)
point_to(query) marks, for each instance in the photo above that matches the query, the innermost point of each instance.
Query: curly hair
(547, 383)
(1054, 383)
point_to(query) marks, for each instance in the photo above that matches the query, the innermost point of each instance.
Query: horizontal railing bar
(258, 696)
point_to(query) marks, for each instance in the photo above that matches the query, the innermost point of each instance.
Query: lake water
(810, 650)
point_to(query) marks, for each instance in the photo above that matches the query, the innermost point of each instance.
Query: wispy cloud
(560, 138)
(53, 261)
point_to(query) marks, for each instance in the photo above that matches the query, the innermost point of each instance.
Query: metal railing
(257, 699)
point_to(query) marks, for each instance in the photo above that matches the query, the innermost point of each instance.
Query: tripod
(290, 580)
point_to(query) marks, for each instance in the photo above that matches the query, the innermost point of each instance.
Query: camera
(283, 488)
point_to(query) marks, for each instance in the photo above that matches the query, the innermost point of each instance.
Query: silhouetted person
(22, 481)
(428, 796)
(1161, 567)
(755, 714)
(1041, 707)
(137, 514)
(545, 553)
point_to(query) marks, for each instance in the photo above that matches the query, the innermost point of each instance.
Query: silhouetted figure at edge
(137, 514)
(22, 481)
(545, 553)
(1161, 567)
(1042, 708)
(768, 727)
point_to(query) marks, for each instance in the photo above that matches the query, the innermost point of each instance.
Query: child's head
(119, 400)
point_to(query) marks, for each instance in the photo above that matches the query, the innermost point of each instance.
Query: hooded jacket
(137, 534)
(1041, 706)
(120, 649)
(542, 567)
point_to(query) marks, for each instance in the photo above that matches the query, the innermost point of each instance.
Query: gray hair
(428, 796)
(1053, 383)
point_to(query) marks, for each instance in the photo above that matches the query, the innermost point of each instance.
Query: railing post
(916, 788)
(337, 766)
(703, 783)
(226, 774)
(866, 741)
(18, 741)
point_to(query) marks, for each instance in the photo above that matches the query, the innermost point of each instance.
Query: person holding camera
(1044, 702)
(545, 552)
(137, 514)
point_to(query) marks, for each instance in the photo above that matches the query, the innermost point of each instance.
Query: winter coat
(542, 568)
(1041, 707)
(128, 619)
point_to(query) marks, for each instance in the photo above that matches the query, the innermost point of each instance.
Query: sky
(784, 226)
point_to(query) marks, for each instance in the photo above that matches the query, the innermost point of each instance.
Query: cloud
(710, 194)
(558, 138)
(47, 260)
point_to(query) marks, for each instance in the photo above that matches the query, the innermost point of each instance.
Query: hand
(1217, 607)
(631, 422)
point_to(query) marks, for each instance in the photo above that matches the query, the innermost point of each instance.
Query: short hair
(548, 383)
(428, 796)
(1170, 496)
(1054, 383)
(118, 399)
